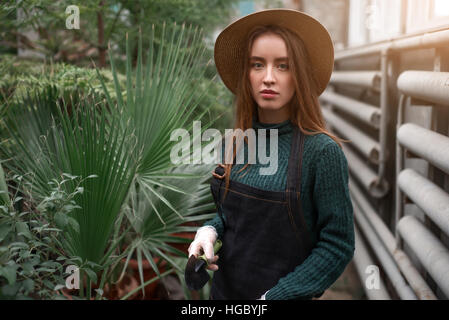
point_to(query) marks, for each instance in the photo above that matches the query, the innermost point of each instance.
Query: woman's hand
(212, 266)
(204, 242)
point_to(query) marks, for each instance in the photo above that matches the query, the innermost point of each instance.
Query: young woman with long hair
(288, 234)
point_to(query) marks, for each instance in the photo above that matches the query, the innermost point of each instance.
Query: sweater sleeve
(335, 228)
(217, 223)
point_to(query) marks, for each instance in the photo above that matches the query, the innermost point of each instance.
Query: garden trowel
(196, 275)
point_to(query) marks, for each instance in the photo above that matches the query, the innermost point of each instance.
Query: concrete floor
(347, 286)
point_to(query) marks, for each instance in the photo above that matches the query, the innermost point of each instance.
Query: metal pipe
(368, 146)
(389, 265)
(383, 116)
(382, 231)
(362, 111)
(414, 278)
(432, 254)
(427, 144)
(362, 260)
(425, 85)
(427, 40)
(366, 175)
(398, 213)
(428, 196)
(366, 79)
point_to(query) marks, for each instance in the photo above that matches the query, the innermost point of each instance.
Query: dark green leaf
(9, 272)
(22, 229)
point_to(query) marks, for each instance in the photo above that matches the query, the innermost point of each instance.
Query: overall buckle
(219, 171)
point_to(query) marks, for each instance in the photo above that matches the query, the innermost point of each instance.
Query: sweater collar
(283, 127)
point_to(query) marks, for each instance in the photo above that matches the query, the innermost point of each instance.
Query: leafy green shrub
(22, 77)
(32, 263)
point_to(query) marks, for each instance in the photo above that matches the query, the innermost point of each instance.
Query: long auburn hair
(304, 109)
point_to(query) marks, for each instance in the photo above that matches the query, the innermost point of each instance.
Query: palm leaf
(158, 98)
(82, 144)
(155, 223)
(4, 195)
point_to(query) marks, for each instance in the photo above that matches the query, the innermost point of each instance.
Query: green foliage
(89, 150)
(47, 19)
(56, 43)
(31, 262)
(160, 102)
(107, 158)
(154, 224)
(23, 77)
(74, 146)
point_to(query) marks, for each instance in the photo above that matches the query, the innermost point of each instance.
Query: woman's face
(270, 78)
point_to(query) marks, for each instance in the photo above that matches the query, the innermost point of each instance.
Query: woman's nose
(269, 78)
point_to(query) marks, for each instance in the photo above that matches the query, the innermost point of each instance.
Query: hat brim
(230, 43)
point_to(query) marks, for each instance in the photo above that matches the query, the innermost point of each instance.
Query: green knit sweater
(326, 206)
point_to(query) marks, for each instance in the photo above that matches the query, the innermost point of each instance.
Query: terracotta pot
(118, 290)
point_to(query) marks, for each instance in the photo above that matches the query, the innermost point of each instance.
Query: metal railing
(369, 102)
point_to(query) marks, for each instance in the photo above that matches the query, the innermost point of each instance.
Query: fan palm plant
(157, 101)
(80, 151)
(116, 153)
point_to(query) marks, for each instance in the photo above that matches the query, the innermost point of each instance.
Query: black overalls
(265, 235)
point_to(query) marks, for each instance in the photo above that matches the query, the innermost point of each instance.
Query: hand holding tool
(196, 275)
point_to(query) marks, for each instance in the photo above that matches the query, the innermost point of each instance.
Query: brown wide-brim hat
(230, 43)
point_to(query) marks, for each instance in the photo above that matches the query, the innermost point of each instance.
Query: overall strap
(295, 161)
(221, 173)
(294, 192)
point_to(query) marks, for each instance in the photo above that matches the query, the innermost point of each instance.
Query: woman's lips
(268, 94)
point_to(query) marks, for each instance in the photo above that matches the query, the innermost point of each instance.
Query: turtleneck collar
(283, 127)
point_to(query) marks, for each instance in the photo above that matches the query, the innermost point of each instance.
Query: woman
(288, 235)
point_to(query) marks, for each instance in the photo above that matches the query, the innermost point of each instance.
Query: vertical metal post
(384, 115)
(399, 166)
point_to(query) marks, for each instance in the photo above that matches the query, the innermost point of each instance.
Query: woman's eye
(283, 66)
(256, 65)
